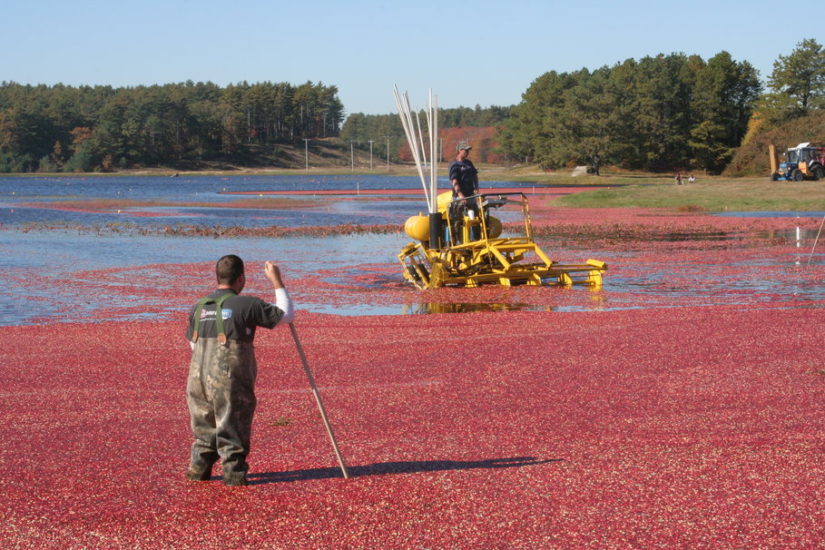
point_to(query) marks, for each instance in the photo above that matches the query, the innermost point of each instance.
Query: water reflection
(466, 307)
(44, 275)
(789, 235)
(771, 214)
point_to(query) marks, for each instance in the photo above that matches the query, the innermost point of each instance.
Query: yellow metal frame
(473, 262)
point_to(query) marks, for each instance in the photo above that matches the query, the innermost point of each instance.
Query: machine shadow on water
(469, 307)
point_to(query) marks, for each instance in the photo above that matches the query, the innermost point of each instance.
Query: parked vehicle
(803, 162)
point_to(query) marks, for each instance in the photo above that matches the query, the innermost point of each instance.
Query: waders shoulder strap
(218, 315)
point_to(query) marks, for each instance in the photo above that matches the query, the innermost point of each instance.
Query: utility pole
(306, 152)
(371, 141)
(388, 153)
(351, 157)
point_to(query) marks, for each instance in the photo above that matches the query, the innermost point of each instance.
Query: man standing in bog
(222, 372)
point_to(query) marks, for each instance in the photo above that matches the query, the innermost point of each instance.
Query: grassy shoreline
(718, 195)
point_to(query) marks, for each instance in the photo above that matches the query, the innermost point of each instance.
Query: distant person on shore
(678, 178)
(464, 181)
(221, 385)
(691, 179)
(595, 160)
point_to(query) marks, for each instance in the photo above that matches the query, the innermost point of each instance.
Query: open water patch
(54, 275)
(69, 277)
(771, 214)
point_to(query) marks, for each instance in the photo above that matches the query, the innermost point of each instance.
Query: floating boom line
(415, 138)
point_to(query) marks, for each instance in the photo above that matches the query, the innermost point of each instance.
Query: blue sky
(469, 53)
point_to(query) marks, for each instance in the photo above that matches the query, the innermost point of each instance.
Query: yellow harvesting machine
(464, 245)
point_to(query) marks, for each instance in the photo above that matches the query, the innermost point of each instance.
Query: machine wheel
(797, 175)
(819, 173)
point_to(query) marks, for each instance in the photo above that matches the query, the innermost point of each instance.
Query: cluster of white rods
(418, 147)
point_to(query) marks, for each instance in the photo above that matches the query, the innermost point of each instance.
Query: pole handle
(315, 393)
(818, 233)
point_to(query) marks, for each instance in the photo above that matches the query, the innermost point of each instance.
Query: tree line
(65, 128)
(662, 113)
(659, 113)
(791, 111)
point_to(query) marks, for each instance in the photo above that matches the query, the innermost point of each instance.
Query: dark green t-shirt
(241, 316)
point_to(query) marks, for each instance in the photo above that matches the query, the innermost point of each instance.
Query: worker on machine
(464, 181)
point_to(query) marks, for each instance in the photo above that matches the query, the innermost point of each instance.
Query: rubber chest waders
(218, 316)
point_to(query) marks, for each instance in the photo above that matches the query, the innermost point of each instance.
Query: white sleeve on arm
(283, 303)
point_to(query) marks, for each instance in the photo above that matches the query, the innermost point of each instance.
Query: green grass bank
(710, 194)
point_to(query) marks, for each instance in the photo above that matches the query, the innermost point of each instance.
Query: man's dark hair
(228, 269)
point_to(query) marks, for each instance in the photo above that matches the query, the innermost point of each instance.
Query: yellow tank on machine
(470, 249)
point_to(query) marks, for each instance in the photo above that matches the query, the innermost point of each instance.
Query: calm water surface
(39, 266)
(19, 198)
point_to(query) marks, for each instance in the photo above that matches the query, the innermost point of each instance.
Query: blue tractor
(803, 162)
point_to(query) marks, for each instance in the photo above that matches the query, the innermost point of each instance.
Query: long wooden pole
(318, 400)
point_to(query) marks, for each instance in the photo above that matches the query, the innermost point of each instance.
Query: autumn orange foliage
(483, 141)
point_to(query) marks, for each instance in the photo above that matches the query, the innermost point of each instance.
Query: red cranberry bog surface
(675, 419)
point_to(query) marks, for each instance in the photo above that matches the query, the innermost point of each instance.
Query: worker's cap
(463, 146)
